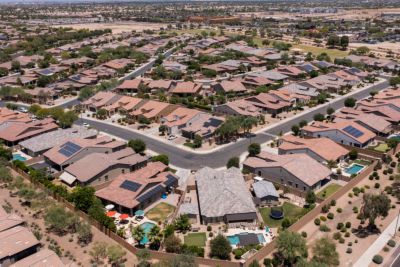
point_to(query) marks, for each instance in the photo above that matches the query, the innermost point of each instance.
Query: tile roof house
(124, 105)
(9, 220)
(255, 81)
(129, 86)
(387, 94)
(272, 75)
(226, 86)
(205, 126)
(180, 118)
(224, 196)
(139, 189)
(268, 103)
(346, 77)
(299, 171)
(325, 83)
(385, 112)
(342, 132)
(238, 107)
(300, 89)
(43, 258)
(101, 100)
(65, 154)
(8, 115)
(14, 132)
(160, 85)
(291, 71)
(119, 64)
(377, 124)
(108, 166)
(16, 243)
(321, 149)
(39, 144)
(186, 89)
(152, 110)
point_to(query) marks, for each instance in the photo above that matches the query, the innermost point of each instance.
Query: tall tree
(291, 246)
(220, 248)
(374, 206)
(138, 233)
(324, 251)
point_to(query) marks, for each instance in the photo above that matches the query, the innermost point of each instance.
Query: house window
(290, 183)
(123, 170)
(106, 177)
(297, 185)
(304, 188)
(259, 173)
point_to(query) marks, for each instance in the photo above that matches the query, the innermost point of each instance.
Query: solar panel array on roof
(130, 185)
(353, 131)
(170, 180)
(68, 149)
(46, 72)
(149, 194)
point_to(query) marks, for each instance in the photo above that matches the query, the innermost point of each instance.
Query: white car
(87, 125)
(172, 137)
(23, 110)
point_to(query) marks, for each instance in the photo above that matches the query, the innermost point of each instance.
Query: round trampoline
(276, 213)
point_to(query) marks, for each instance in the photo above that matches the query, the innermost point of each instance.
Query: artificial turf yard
(382, 147)
(160, 212)
(195, 239)
(329, 190)
(291, 212)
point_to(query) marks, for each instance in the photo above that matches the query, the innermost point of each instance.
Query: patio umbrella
(111, 213)
(109, 207)
(124, 216)
(139, 213)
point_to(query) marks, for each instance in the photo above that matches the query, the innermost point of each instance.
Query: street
(191, 160)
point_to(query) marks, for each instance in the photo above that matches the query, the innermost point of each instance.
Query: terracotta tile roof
(16, 240)
(16, 131)
(179, 117)
(186, 88)
(267, 100)
(127, 103)
(160, 84)
(301, 166)
(323, 147)
(9, 220)
(150, 109)
(43, 258)
(12, 115)
(231, 86)
(130, 84)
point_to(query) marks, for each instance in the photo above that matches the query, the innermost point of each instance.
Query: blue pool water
(354, 169)
(261, 238)
(146, 227)
(17, 156)
(233, 239)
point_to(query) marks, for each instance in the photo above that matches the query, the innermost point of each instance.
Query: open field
(333, 53)
(160, 212)
(116, 27)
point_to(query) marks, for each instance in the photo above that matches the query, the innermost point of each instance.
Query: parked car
(172, 137)
(22, 109)
(85, 124)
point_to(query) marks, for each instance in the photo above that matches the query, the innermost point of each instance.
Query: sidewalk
(376, 247)
(260, 131)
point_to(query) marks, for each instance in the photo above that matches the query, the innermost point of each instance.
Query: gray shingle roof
(223, 192)
(264, 188)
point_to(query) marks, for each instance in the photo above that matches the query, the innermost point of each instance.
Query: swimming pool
(19, 157)
(234, 240)
(147, 226)
(354, 169)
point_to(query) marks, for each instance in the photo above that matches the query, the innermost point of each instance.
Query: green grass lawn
(329, 190)
(382, 147)
(291, 211)
(195, 239)
(333, 53)
(362, 162)
(160, 212)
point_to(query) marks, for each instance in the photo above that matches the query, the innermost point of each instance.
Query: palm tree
(138, 233)
(155, 236)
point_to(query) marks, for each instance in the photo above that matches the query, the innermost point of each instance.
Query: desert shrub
(317, 221)
(339, 210)
(378, 259)
(324, 228)
(349, 250)
(330, 216)
(391, 243)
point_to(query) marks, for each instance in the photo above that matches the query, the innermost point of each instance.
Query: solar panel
(130, 185)
(156, 190)
(353, 131)
(170, 180)
(68, 149)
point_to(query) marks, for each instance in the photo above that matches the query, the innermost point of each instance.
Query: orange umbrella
(111, 213)
(124, 216)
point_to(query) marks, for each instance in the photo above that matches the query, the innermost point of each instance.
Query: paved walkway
(376, 247)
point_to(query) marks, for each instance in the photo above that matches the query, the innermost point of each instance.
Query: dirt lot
(71, 251)
(117, 27)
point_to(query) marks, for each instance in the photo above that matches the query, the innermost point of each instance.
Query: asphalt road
(189, 160)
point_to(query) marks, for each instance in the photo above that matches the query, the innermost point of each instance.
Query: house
(265, 193)
(342, 132)
(186, 89)
(139, 189)
(152, 110)
(121, 64)
(307, 67)
(326, 83)
(298, 88)
(239, 107)
(388, 94)
(124, 105)
(268, 103)
(14, 132)
(160, 85)
(107, 167)
(180, 118)
(226, 87)
(129, 86)
(374, 123)
(43, 258)
(100, 100)
(348, 78)
(63, 155)
(39, 144)
(272, 75)
(298, 171)
(224, 196)
(204, 126)
(174, 66)
(16, 243)
(43, 95)
(321, 149)
(9, 220)
(255, 81)
(8, 115)
(323, 64)
(291, 71)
